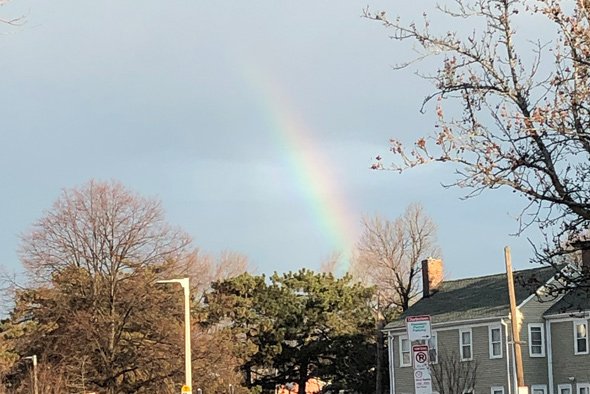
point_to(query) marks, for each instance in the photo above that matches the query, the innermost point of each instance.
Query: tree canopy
(298, 326)
(524, 107)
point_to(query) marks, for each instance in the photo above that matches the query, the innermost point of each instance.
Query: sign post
(422, 379)
(418, 328)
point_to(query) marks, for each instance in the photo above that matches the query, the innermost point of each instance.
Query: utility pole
(513, 318)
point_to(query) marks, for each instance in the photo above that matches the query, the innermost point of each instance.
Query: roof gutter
(549, 356)
(391, 363)
(402, 329)
(507, 356)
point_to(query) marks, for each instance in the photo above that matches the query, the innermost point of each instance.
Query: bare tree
(525, 101)
(389, 256)
(92, 262)
(451, 375)
(330, 264)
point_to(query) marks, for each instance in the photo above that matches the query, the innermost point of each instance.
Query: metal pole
(33, 358)
(187, 333)
(184, 282)
(35, 383)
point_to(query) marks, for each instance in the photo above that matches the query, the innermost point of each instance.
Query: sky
(255, 123)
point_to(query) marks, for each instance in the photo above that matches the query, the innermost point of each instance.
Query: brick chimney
(432, 276)
(583, 245)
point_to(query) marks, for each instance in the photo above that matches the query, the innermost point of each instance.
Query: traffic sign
(422, 379)
(418, 328)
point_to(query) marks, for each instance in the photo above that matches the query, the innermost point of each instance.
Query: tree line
(90, 308)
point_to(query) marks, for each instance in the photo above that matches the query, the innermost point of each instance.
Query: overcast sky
(254, 122)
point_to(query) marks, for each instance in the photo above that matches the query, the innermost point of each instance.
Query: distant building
(471, 320)
(313, 386)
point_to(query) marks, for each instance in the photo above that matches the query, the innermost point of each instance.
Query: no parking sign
(422, 380)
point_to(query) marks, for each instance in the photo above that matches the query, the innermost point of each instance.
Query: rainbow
(312, 173)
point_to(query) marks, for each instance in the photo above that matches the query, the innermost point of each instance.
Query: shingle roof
(575, 301)
(475, 298)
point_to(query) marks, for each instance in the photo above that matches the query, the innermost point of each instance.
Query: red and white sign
(418, 328)
(422, 379)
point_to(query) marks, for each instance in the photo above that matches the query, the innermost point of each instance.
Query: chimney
(583, 245)
(432, 276)
(586, 258)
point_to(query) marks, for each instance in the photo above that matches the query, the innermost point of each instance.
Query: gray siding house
(472, 335)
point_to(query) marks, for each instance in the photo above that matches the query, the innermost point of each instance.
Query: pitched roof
(577, 300)
(476, 298)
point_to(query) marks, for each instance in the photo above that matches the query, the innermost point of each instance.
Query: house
(313, 386)
(471, 334)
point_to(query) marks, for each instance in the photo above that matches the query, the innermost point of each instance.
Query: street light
(34, 359)
(184, 282)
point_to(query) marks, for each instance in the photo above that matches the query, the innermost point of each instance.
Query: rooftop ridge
(498, 274)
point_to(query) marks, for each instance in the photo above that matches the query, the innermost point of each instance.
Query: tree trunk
(379, 362)
(302, 383)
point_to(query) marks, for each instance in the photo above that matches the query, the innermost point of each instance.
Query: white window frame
(461, 344)
(542, 387)
(530, 342)
(493, 389)
(491, 344)
(435, 336)
(582, 385)
(564, 386)
(401, 352)
(576, 323)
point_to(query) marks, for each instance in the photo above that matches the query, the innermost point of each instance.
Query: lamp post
(33, 358)
(184, 282)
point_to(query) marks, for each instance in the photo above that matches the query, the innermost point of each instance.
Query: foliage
(297, 326)
(525, 104)
(92, 262)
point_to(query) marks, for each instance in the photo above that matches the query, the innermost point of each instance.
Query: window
(564, 389)
(538, 389)
(465, 344)
(536, 340)
(497, 390)
(581, 337)
(405, 356)
(433, 348)
(495, 338)
(583, 388)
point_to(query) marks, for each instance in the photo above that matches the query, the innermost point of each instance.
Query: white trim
(496, 388)
(582, 385)
(538, 387)
(568, 316)
(461, 344)
(564, 386)
(550, 357)
(575, 325)
(506, 335)
(490, 343)
(453, 325)
(401, 351)
(434, 335)
(391, 356)
(543, 286)
(530, 342)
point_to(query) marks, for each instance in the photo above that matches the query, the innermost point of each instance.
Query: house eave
(450, 324)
